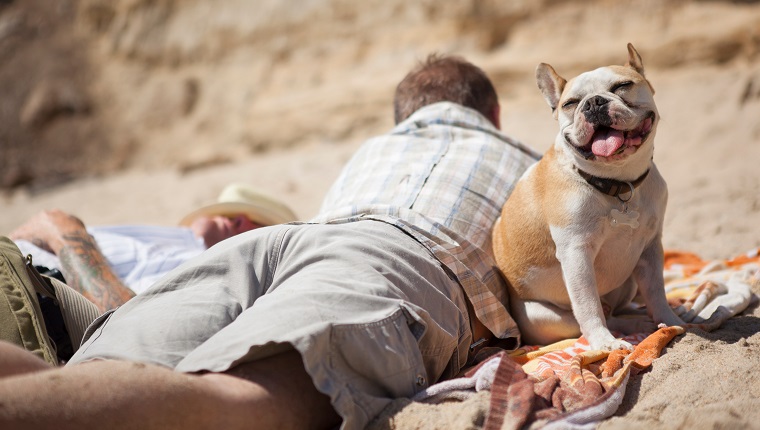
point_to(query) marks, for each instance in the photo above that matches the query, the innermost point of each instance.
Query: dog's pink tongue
(606, 142)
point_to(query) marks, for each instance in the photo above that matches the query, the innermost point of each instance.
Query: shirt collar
(452, 114)
(447, 113)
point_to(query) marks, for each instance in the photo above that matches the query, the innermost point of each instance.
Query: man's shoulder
(466, 125)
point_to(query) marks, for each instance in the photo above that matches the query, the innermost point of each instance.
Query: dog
(581, 233)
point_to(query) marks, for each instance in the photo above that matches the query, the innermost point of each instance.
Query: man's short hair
(444, 78)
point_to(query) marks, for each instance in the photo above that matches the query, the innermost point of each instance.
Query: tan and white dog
(581, 233)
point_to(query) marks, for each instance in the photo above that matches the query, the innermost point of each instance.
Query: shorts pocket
(438, 347)
(383, 360)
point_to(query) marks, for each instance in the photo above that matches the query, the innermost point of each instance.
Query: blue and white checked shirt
(442, 176)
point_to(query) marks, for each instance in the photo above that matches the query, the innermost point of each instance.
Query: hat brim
(263, 214)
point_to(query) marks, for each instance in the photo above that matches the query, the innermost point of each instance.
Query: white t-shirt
(138, 254)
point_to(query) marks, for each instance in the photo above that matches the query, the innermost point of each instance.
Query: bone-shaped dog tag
(629, 218)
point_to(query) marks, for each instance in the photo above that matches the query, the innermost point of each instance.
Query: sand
(179, 110)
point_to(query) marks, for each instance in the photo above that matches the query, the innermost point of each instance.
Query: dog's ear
(551, 85)
(634, 60)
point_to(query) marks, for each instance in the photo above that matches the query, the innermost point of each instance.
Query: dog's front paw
(611, 344)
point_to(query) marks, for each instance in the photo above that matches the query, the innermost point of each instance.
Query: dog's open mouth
(610, 142)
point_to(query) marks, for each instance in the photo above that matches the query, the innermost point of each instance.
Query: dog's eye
(570, 103)
(621, 86)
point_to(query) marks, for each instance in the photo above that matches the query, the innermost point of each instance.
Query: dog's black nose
(595, 102)
(596, 110)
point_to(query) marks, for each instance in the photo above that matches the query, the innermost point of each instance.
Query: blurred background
(140, 110)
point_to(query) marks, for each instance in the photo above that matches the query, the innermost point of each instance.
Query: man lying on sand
(313, 325)
(110, 264)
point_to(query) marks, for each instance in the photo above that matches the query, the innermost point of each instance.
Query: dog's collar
(613, 187)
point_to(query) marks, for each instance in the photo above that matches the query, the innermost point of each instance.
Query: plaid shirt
(442, 176)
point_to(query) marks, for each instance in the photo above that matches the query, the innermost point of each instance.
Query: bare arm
(83, 265)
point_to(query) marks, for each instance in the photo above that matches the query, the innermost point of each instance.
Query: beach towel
(568, 385)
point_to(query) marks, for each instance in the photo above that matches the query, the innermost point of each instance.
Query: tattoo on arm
(87, 271)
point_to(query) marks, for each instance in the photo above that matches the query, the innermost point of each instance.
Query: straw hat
(242, 199)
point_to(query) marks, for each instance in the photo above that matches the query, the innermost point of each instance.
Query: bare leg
(272, 393)
(286, 389)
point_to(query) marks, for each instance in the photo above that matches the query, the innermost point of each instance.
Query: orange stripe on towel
(643, 354)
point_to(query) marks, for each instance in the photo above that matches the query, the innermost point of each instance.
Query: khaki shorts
(371, 311)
